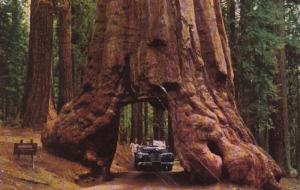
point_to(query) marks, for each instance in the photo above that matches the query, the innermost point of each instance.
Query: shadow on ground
(54, 173)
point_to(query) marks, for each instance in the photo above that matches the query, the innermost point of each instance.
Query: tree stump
(173, 53)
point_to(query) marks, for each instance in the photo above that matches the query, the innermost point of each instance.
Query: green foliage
(14, 43)
(83, 14)
(293, 25)
(293, 67)
(13, 53)
(254, 45)
(255, 63)
(126, 122)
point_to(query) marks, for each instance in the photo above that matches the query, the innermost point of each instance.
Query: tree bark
(65, 54)
(298, 126)
(177, 51)
(137, 122)
(133, 134)
(158, 124)
(292, 57)
(38, 81)
(145, 121)
(232, 22)
(122, 130)
(52, 113)
(170, 135)
(279, 135)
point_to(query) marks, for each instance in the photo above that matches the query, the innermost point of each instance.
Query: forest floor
(54, 173)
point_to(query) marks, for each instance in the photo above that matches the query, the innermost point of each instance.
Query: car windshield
(151, 149)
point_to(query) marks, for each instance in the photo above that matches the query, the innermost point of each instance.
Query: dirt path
(55, 173)
(175, 180)
(157, 180)
(154, 180)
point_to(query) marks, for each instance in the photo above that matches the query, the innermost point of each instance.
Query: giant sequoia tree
(65, 54)
(173, 52)
(38, 82)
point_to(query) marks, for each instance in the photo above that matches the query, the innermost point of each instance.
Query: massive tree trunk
(38, 82)
(65, 54)
(175, 51)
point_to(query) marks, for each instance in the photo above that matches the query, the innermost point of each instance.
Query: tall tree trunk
(137, 122)
(232, 22)
(145, 120)
(133, 134)
(127, 122)
(4, 80)
(65, 55)
(279, 136)
(38, 81)
(140, 126)
(122, 130)
(52, 112)
(132, 62)
(292, 57)
(170, 135)
(298, 125)
(263, 139)
(158, 123)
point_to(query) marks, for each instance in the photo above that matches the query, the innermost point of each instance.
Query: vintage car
(153, 157)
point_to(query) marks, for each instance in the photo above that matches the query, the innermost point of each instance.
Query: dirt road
(175, 180)
(55, 173)
(157, 180)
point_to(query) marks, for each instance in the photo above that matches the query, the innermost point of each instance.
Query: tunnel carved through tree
(176, 50)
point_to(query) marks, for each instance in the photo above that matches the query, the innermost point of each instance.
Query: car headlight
(140, 155)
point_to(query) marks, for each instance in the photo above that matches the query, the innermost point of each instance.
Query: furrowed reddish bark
(172, 53)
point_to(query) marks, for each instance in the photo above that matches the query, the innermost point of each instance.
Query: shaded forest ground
(53, 173)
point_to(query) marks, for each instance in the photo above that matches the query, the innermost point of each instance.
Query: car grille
(155, 157)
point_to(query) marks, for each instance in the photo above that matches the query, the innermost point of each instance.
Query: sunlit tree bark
(65, 54)
(174, 51)
(38, 81)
